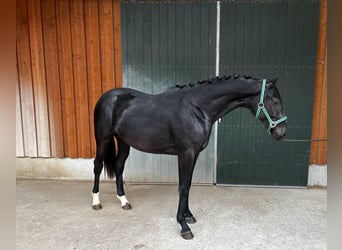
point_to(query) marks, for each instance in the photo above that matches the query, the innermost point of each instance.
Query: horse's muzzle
(279, 132)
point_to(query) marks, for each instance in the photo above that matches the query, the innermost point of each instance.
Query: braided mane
(216, 79)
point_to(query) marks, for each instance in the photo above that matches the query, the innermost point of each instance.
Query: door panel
(268, 40)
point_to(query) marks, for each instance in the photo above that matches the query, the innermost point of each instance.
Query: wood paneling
(66, 77)
(107, 43)
(38, 77)
(52, 78)
(92, 32)
(19, 125)
(68, 54)
(117, 40)
(25, 82)
(80, 77)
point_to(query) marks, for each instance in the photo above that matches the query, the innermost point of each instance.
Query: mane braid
(215, 79)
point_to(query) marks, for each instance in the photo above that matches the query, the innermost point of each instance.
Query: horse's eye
(275, 102)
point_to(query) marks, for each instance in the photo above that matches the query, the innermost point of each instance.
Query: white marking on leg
(123, 200)
(96, 198)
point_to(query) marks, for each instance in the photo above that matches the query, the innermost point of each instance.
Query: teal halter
(261, 107)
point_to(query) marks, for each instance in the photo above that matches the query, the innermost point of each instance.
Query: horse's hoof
(188, 235)
(97, 206)
(190, 220)
(127, 206)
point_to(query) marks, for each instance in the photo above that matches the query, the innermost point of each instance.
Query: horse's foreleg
(186, 163)
(123, 153)
(183, 190)
(189, 218)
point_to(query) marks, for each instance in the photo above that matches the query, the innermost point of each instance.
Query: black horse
(177, 122)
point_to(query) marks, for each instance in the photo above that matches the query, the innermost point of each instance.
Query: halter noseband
(261, 107)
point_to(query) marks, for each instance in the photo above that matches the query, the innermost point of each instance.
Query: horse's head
(268, 108)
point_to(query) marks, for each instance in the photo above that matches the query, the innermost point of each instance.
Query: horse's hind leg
(123, 153)
(101, 149)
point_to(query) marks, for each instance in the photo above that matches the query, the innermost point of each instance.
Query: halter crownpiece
(261, 107)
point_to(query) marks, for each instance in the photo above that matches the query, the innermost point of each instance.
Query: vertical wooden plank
(107, 44)
(319, 120)
(324, 119)
(318, 154)
(91, 9)
(52, 78)
(25, 81)
(19, 123)
(66, 77)
(38, 78)
(117, 42)
(80, 78)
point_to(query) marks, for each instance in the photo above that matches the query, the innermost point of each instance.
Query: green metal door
(268, 39)
(165, 43)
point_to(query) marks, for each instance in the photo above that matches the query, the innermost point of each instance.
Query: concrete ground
(58, 215)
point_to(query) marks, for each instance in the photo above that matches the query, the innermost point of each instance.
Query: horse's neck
(222, 97)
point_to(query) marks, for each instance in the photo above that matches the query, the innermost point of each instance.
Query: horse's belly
(147, 137)
(150, 144)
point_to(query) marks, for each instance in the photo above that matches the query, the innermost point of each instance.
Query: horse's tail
(109, 159)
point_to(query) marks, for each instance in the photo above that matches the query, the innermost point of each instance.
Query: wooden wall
(318, 152)
(68, 53)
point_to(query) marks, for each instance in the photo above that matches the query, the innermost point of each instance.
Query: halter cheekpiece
(261, 107)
